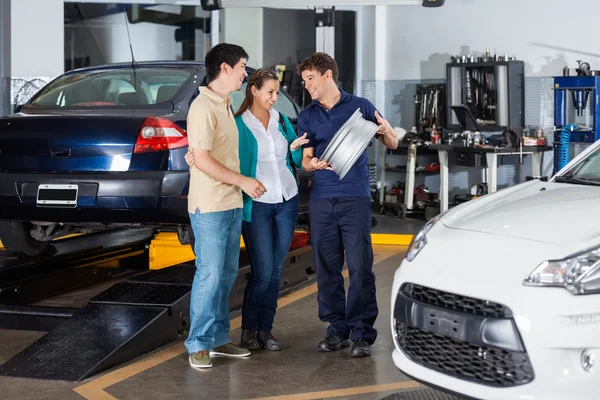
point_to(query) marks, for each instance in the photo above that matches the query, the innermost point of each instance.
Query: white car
(499, 298)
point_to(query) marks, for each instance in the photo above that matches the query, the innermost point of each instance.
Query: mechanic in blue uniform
(340, 210)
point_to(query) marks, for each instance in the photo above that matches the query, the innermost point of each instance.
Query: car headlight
(579, 273)
(420, 239)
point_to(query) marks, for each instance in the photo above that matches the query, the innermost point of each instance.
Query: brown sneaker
(229, 350)
(200, 359)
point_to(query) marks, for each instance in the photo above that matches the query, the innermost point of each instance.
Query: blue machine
(584, 91)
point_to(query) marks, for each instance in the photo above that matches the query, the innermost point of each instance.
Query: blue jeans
(268, 238)
(217, 264)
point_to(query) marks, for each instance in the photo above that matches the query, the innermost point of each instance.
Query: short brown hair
(320, 62)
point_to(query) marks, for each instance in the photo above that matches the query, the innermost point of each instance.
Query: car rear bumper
(106, 184)
(124, 197)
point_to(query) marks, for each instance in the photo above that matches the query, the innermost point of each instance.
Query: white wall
(105, 40)
(37, 38)
(244, 27)
(367, 56)
(149, 41)
(546, 34)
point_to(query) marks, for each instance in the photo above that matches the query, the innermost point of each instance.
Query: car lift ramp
(125, 321)
(130, 319)
(75, 262)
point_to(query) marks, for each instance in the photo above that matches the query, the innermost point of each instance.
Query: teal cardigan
(248, 153)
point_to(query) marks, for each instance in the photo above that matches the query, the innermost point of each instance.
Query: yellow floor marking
(95, 388)
(346, 392)
(391, 238)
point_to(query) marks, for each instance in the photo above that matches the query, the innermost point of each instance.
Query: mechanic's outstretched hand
(316, 164)
(296, 144)
(253, 187)
(384, 125)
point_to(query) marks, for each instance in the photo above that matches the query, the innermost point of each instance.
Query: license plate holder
(59, 195)
(445, 323)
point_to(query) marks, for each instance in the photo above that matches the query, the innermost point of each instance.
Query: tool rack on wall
(493, 90)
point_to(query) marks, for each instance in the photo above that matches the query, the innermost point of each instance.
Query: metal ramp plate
(182, 274)
(143, 294)
(96, 338)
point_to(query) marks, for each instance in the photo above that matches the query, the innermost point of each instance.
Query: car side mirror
(19, 107)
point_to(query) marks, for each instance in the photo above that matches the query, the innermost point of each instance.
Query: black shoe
(360, 348)
(267, 341)
(249, 340)
(333, 343)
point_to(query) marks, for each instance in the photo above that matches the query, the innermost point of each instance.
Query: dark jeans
(338, 224)
(268, 238)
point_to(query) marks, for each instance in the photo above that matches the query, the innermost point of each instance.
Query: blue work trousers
(339, 225)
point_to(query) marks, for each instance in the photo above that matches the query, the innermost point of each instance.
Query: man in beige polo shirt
(215, 205)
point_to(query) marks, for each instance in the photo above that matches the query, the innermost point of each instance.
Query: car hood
(539, 211)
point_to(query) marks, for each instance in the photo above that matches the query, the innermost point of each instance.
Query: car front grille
(482, 365)
(454, 302)
(473, 362)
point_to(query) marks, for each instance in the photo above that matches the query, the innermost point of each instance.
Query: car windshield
(124, 87)
(586, 170)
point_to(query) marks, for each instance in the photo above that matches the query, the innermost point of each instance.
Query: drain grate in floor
(422, 394)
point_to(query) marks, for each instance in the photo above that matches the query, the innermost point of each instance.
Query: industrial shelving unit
(407, 206)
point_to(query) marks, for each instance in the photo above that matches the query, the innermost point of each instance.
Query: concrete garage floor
(296, 372)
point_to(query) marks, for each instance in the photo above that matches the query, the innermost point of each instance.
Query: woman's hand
(189, 157)
(296, 144)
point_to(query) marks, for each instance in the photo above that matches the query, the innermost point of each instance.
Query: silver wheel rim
(348, 143)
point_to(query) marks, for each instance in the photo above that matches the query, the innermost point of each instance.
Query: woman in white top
(269, 150)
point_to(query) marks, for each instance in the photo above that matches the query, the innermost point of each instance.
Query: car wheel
(15, 237)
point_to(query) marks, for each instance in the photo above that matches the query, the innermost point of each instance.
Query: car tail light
(159, 134)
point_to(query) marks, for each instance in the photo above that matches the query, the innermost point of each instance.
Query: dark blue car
(102, 147)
